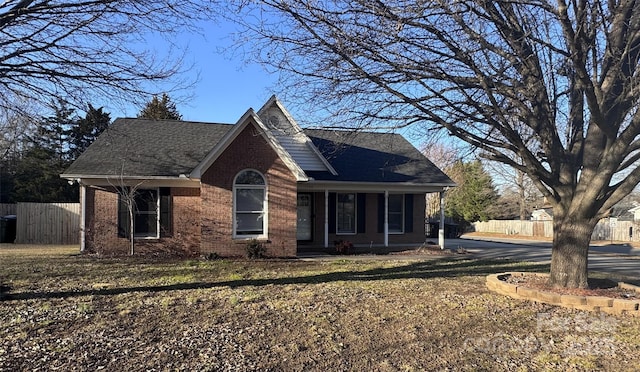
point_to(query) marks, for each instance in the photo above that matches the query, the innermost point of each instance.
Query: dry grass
(73, 312)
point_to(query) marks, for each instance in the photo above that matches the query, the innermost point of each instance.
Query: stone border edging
(615, 306)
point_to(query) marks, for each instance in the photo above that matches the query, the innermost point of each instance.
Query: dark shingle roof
(168, 148)
(143, 147)
(373, 157)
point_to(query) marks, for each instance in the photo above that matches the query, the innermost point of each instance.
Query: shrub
(212, 256)
(256, 249)
(343, 246)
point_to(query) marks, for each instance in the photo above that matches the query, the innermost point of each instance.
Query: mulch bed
(597, 287)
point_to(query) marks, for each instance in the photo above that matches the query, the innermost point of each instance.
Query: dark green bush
(256, 249)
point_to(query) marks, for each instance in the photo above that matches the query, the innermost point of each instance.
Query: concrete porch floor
(372, 250)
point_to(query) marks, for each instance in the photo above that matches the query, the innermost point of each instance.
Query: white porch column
(386, 218)
(441, 229)
(326, 218)
(83, 215)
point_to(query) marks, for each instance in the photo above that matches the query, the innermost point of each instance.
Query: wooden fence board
(48, 223)
(621, 231)
(6, 209)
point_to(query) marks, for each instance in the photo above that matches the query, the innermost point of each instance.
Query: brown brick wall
(102, 225)
(202, 218)
(248, 151)
(102, 231)
(89, 210)
(371, 234)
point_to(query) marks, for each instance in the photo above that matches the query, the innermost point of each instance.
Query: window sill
(243, 240)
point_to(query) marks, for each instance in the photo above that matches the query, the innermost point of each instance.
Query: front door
(304, 217)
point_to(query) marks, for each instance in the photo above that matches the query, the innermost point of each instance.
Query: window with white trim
(151, 212)
(346, 213)
(250, 201)
(396, 213)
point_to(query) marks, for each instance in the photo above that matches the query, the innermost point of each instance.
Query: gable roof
(246, 119)
(291, 137)
(374, 157)
(133, 147)
(161, 149)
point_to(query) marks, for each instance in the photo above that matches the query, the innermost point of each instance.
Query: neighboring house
(209, 188)
(543, 214)
(635, 213)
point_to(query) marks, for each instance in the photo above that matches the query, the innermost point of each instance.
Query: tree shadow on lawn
(441, 268)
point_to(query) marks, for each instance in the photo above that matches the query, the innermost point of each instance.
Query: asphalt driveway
(614, 258)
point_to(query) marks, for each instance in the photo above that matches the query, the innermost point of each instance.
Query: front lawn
(71, 312)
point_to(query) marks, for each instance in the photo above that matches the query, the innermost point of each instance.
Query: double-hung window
(346, 213)
(396, 213)
(151, 212)
(250, 201)
(145, 215)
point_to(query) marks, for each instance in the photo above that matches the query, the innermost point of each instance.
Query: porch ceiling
(371, 187)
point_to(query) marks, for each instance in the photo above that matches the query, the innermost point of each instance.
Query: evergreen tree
(87, 129)
(37, 178)
(37, 174)
(159, 109)
(53, 132)
(473, 198)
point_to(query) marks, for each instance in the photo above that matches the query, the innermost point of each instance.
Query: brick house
(204, 188)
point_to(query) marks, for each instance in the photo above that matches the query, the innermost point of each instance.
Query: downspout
(441, 229)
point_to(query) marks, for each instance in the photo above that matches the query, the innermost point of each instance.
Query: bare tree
(444, 157)
(547, 87)
(519, 183)
(86, 51)
(127, 193)
(16, 126)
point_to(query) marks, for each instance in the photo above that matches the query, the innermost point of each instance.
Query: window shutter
(165, 212)
(361, 213)
(381, 213)
(123, 218)
(332, 212)
(408, 213)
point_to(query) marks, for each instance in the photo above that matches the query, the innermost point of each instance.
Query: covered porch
(368, 216)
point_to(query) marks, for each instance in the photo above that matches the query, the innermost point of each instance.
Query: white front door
(304, 217)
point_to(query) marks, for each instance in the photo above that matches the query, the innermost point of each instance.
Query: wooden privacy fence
(7, 209)
(606, 229)
(516, 227)
(47, 223)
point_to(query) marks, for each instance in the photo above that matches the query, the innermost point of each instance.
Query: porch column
(326, 218)
(386, 218)
(83, 215)
(441, 229)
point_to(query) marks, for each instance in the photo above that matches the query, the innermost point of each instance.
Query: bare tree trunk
(131, 226)
(569, 255)
(522, 195)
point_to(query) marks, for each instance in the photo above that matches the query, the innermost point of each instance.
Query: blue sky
(227, 86)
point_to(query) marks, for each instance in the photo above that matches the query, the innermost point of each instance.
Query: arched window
(249, 205)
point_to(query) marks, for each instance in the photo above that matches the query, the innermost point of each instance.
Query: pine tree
(475, 194)
(87, 129)
(37, 178)
(160, 109)
(37, 175)
(53, 132)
